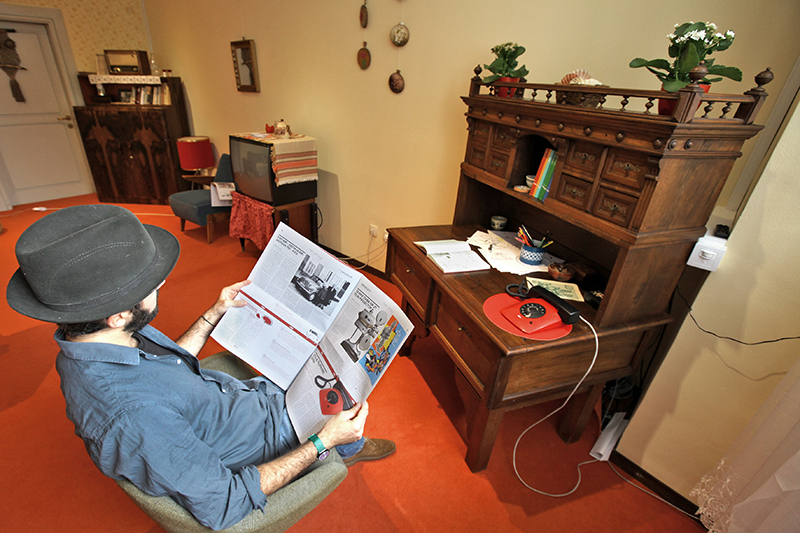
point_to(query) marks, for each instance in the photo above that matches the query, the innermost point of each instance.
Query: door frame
(53, 21)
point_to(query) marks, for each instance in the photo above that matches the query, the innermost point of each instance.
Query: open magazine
(315, 327)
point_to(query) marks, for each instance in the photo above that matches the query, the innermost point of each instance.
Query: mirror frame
(240, 51)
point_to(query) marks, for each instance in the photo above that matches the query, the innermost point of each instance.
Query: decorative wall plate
(399, 35)
(363, 15)
(396, 82)
(363, 57)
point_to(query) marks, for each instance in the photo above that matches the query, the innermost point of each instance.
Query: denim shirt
(171, 428)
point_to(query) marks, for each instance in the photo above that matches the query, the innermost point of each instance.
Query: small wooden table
(499, 371)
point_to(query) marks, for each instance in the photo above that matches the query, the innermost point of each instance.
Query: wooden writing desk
(502, 371)
(631, 193)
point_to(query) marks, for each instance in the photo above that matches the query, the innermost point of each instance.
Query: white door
(41, 155)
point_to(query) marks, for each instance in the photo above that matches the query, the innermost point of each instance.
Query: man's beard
(140, 318)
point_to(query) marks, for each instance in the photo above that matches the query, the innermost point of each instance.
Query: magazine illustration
(315, 327)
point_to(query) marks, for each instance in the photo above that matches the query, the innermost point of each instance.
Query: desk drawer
(627, 170)
(614, 206)
(498, 163)
(476, 154)
(472, 352)
(415, 283)
(574, 191)
(583, 159)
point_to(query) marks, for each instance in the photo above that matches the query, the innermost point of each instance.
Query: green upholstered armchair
(284, 507)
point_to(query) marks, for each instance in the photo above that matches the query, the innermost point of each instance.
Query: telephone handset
(539, 311)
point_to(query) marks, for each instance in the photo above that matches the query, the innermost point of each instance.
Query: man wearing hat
(143, 407)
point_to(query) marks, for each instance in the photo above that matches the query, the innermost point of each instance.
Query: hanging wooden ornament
(396, 82)
(363, 57)
(363, 15)
(399, 35)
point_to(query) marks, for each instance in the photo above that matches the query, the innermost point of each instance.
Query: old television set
(252, 171)
(294, 203)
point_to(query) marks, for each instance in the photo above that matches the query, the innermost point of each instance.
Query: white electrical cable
(514, 456)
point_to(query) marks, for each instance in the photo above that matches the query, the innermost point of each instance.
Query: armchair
(195, 206)
(284, 507)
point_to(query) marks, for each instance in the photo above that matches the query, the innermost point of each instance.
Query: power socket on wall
(373, 230)
(707, 253)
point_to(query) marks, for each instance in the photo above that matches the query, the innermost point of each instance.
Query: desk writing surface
(472, 289)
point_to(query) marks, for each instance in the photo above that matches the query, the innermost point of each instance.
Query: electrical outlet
(385, 236)
(373, 230)
(707, 253)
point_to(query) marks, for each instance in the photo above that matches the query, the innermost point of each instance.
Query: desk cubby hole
(529, 152)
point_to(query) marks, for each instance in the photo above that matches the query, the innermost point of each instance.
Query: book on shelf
(544, 176)
(315, 326)
(453, 256)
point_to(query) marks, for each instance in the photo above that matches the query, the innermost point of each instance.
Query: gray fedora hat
(88, 262)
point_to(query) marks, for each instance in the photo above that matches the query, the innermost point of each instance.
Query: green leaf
(672, 86)
(662, 64)
(729, 72)
(491, 78)
(687, 62)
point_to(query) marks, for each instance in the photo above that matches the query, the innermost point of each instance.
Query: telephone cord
(571, 394)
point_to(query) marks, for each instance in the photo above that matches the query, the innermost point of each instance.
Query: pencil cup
(530, 255)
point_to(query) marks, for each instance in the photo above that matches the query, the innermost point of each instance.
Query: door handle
(64, 118)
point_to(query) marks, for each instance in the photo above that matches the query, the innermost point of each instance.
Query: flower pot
(667, 107)
(507, 92)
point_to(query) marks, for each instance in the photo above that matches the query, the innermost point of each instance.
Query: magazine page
(349, 361)
(297, 289)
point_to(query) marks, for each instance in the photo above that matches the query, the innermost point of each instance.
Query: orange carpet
(49, 483)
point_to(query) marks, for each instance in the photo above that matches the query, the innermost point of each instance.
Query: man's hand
(225, 302)
(345, 426)
(196, 336)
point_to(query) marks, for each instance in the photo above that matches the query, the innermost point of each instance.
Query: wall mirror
(244, 65)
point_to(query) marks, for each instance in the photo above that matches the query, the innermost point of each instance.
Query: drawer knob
(410, 271)
(463, 329)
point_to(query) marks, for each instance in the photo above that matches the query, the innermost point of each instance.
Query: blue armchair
(195, 206)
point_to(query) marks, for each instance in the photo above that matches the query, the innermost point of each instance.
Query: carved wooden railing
(692, 104)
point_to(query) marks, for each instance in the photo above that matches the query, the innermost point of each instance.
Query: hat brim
(22, 299)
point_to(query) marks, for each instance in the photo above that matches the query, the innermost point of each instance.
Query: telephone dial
(540, 310)
(333, 398)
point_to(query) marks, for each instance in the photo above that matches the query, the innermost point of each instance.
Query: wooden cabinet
(131, 148)
(631, 194)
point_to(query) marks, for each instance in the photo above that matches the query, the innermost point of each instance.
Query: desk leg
(483, 433)
(482, 425)
(419, 331)
(578, 412)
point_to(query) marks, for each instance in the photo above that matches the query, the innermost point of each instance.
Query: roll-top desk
(631, 194)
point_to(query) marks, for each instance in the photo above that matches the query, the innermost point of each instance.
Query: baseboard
(654, 485)
(355, 263)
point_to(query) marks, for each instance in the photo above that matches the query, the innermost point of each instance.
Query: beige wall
(708, 389)
(97, 25)
(392, 160)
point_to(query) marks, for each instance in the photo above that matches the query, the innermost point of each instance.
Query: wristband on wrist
(207, 321)
(322, 451)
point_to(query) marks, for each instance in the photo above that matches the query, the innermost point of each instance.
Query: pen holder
(530, 255)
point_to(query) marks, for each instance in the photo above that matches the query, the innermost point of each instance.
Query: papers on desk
(453, 256)
(221, 193)
(502, 251)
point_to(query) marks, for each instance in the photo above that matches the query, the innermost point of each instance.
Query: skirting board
(654, 485)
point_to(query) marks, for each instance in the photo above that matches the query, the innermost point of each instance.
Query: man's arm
(342, 428)
(196, 336)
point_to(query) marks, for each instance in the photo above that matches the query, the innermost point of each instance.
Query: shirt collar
(108, 353)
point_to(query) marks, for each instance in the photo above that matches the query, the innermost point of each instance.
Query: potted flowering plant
(691, 44)
(505, 68)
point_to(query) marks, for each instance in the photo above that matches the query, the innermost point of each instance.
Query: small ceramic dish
(522, 189)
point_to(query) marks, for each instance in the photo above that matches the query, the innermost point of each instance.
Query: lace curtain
(756, 488)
